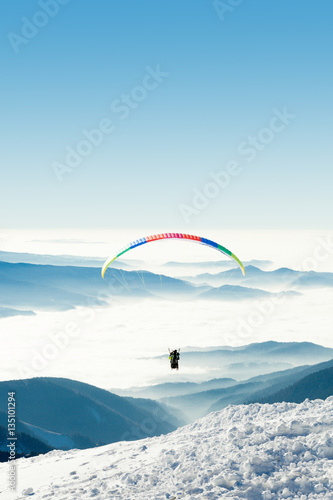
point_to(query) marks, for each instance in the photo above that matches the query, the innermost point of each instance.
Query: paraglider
(173, 355)
(188, 237)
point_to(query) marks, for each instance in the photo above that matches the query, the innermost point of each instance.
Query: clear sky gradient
(179, 92)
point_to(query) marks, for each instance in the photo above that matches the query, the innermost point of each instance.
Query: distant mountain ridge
(33, 287)
(43, 287)
(51, 260)
(229, 264)
(6, 312)
(242, 362)
(174, 388)
(236, 292)
(280, 279)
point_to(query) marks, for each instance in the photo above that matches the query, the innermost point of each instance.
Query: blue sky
(219, 84)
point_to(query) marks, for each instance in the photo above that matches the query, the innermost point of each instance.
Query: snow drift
(283, 450)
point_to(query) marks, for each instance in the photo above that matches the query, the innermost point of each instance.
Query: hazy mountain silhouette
(244, 362)
(6, 312)
(51, 260)
(32, 287)
(281, 279)
(169, 389)
(235, 292)
(218, 264)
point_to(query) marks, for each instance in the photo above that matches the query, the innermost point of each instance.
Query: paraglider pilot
(174, 358)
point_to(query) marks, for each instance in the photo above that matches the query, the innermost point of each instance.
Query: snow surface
(54, 439)
(284, 450)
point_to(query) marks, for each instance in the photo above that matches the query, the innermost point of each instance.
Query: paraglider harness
(174, 358)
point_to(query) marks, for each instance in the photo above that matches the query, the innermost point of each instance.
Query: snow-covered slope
(52, 439)
(284, 450)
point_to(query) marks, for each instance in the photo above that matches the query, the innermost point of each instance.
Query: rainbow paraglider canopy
(163, 236)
